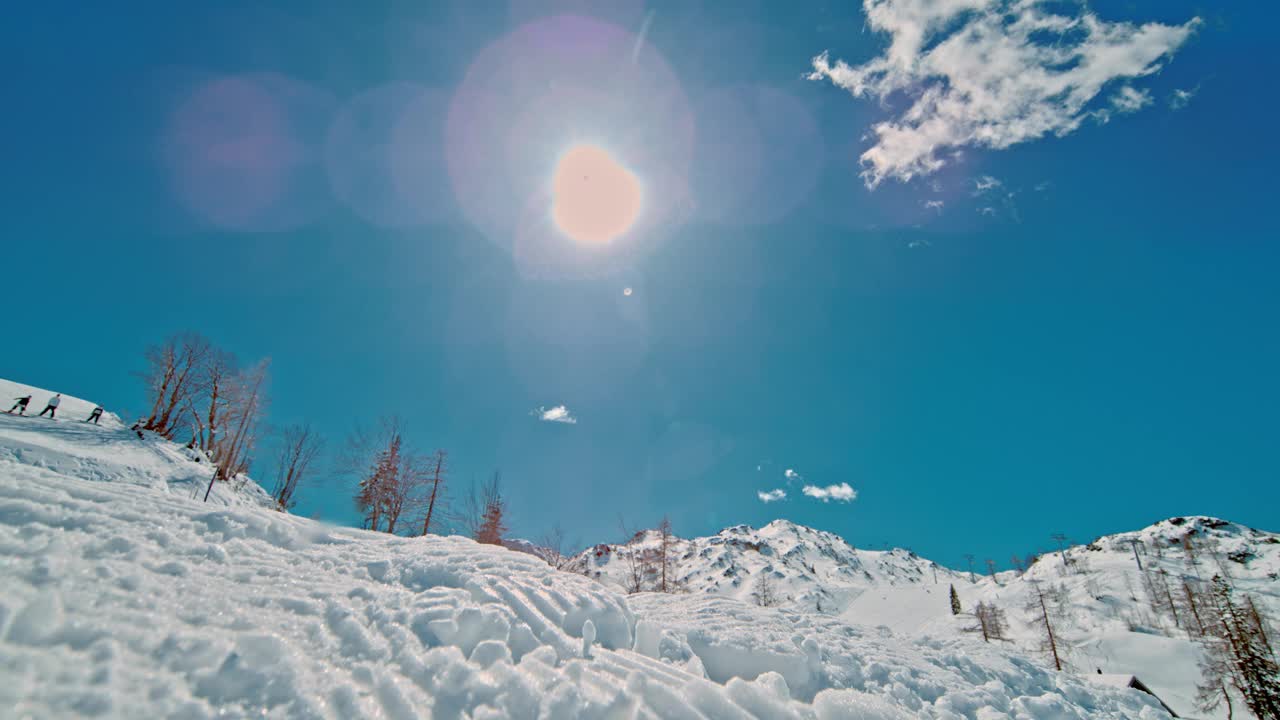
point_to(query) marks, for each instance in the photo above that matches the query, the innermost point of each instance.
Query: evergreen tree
(955, 601)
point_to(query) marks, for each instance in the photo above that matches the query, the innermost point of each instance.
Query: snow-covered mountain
(126, 597)
(1109, 615)
(805, 568)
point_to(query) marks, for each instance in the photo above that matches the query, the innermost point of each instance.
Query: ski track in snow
(125, 597)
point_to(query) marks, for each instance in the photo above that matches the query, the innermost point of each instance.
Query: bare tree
(299, 447)
(1039, 609)
(170, 375)
(972, 577)
(991, 570)
(208, 403)
(1061, 539)
(435, 483)
(234, 451)
(634, 582)
(1238, 656)
(668, 569)
(991, 622)
(553, 548)
(763, 590)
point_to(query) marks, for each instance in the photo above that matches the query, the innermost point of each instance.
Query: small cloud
(933, 205)
(792, 476)
(1041, 187)
(985, 183)
(1130, 100)
(987, 211)
(1181, 98)
(772, 495)
(557, 414)
(839, 493)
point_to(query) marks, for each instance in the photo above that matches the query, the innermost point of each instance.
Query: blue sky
(1069, 325)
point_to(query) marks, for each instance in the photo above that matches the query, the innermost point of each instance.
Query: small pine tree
(955, 601)
(493, 518)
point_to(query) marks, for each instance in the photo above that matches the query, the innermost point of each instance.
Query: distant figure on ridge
(93, 416)
(52, 407)
(20, 406)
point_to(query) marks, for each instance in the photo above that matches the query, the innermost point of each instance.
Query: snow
(127, 597)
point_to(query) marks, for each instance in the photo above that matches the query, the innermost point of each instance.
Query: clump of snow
(130, 599)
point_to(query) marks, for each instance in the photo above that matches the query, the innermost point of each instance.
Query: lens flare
(594, 197)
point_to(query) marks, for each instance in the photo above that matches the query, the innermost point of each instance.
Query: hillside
(33, 449)
(126, 597)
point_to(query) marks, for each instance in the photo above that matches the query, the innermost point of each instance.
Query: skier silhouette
(20, 406)
(52, 407)
(93, 416)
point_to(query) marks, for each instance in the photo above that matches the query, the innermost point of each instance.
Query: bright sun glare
(595, 199)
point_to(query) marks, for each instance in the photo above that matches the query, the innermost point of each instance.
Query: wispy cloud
(1130, 99)
(838, 493)
(771, 495)
(982, 184)
(790, 475)
(557, 414)
(988, 73)
(1181, 98)
(933, 205)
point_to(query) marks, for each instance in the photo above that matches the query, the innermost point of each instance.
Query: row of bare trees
(196, 387)
(400, 490)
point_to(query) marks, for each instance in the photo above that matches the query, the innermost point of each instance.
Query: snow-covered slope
(71, 408)
(131, 599)
(33, 448)
(806, 568)
(1106, 620)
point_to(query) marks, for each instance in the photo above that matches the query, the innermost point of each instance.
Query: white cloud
(839, 493)
(772, 495)
(557, 414)
(1182, 98)
(791, 474)
(933, 205)
(1129, 100)
(988, 73)
(985, 183)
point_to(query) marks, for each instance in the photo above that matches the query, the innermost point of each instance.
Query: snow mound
(127, 599)
(35, 448)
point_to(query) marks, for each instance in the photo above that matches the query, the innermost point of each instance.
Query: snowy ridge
(131, 599)
(807, 568)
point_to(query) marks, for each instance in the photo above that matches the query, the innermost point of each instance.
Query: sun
(595, 198)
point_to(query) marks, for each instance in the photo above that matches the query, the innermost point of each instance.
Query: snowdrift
(127, 598)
